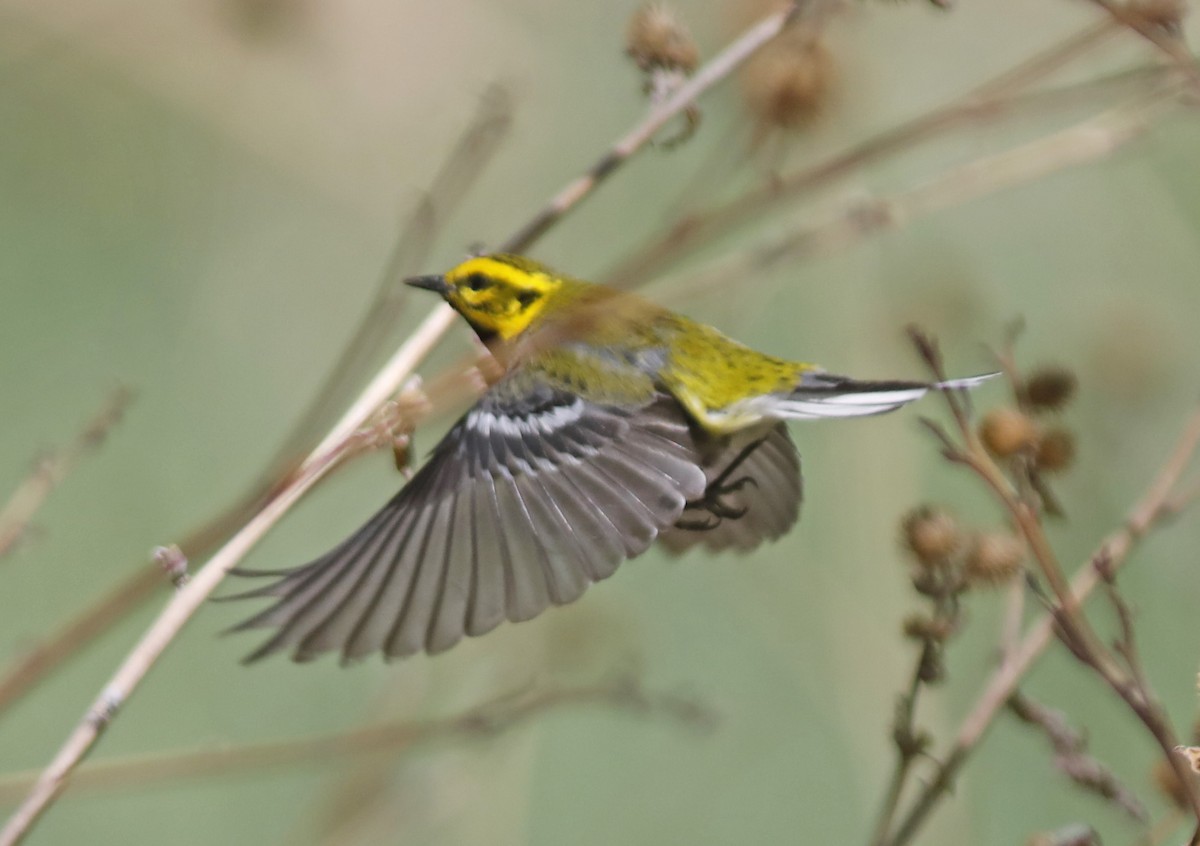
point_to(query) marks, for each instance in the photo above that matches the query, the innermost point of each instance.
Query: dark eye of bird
(477, 282)
(526, 297)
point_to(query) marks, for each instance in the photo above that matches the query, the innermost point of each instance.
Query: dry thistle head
(994, 559)
(1007, 431)
(656, 39)
(931, 534)
(788, 83)
(1055, 451)
(1050, 388)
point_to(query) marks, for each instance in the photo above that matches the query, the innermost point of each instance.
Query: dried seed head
(788, 83)
(921, 628)
(1168, 784)
(931, 534)
(1055, 451)
(994, 558)
(1006, 432)
(656, 39)
(1050, 388)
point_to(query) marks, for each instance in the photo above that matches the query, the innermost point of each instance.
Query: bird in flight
(616, 424)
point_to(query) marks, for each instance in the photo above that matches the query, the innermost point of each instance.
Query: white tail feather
(794, 409)
(965, 382)
(870, 399)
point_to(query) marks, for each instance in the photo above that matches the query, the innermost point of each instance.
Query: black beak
(435, 283)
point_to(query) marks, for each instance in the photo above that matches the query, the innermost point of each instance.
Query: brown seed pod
(1055, 451)
(931, 534)
(656, 39)
(1050, 388)
(1006, 432)
(994, 558)
(789, 82)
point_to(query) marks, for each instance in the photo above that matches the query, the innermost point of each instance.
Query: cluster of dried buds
(949, 560)
(1028, 430)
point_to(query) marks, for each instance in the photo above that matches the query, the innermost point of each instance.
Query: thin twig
(1071, 756)
(1072, 625)
(190, 597)
(1115, 549)
(985, 101)
(445, 194)
(17, 514)
(910, 745)
(392, 738)
(440, 200)
(1166, 35)
(1089, 141)
(720, 67)
(32, 665)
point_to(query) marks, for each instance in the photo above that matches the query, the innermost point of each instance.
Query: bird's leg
(711, 501)
(720, 484)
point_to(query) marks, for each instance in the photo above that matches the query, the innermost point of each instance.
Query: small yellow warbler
(616, 423)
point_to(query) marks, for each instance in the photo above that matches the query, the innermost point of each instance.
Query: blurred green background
(196, 199)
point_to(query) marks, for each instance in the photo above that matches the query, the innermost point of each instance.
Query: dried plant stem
(33, 665)
(1165, 37)
(189, 598)
(192, 595)
(17, 514)
(1114, 550)
(446, 192)
(97, 617)
(1071, 755)
(714, 71)
(1089, 141)
(1075, 630)
(908, 748)
(390, 738)
(989, 99)
(442, 198)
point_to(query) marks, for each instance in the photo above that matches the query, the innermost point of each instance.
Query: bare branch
(1089, 141)
(392, 738)
(1115, 549)
(1070, 755)
(17, 514)
(986, 101)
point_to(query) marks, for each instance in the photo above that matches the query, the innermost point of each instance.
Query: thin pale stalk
(1114, 550)
(990, 98)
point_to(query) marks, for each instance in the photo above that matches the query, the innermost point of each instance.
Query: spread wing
(533, 495)
(753, 494)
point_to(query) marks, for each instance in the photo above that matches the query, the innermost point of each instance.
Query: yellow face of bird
(500, 295)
